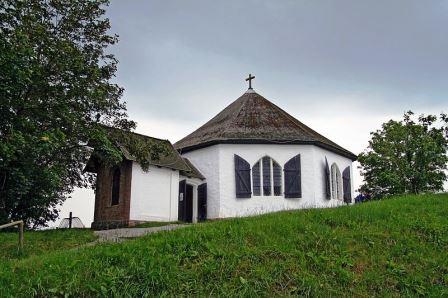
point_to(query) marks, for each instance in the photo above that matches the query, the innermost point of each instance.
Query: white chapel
(251, 158)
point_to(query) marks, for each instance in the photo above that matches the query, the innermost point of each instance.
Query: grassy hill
(392, 247)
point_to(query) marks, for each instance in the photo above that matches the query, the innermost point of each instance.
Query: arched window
(267, 181)
(256, 179)
(277, 177)
(116, 187)
(267, 177)
(336, 183)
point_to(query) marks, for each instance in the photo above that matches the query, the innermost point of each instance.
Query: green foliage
(406, 157)
(382, 248)
(56, 96)
(139, 147)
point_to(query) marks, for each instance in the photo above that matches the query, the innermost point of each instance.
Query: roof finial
(250, 78)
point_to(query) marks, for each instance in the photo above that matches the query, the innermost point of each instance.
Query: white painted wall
(341, 161)
(216, 163)
(230, 206)
(222, 201)
(206, 160)
(154, 194)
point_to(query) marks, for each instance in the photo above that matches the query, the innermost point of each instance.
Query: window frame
(256, 189)
(271, 178)
(336, 183)
(115, 188)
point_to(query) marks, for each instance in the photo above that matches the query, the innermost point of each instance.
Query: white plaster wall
(313, 186)
(319, 159)
(206, 160)
(230, 206)
(154, 194)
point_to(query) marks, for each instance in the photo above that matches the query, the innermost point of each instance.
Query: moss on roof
(254, 119)
(193, 172)
(138, 147)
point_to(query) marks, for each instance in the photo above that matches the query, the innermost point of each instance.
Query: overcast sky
(341, 67)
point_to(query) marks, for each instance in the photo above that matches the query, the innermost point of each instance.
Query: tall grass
(42, 242)
(391, 247)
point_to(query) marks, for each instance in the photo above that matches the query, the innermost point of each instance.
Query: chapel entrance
(189, 204)
(185, 210)
(202, 202)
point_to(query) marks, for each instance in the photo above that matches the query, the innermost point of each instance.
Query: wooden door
(202, 202)
(181, 205)
(189, 203)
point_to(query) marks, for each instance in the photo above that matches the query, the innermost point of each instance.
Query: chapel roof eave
(193, 172)
(344, 153)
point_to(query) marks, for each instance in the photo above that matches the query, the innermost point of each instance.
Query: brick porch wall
(108, 216)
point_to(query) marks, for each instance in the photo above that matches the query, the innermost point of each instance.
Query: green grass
(37, 243)
(385, 248)
(152, 224)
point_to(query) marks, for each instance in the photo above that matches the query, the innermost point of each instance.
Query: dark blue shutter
(202, 202)
(277, 173)
(242, 178)
(327, 180)
(293, 178)
(256, 179)
(266, 175)
(347, 185)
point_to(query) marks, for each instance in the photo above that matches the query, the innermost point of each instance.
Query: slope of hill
(391, 247)
(42, 242)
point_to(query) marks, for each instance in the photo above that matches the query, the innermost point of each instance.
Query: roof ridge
(235, 115)
(253, 117)
(291, 118)
(300, 124)
(149, 137)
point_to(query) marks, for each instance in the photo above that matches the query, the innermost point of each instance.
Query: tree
(56, 96)
(406, 157)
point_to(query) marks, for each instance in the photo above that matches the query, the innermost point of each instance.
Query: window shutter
(277, 174)
(293, 178)
(347, 185)
(256, 179)
(242, 178)
(327, 180)
(266, 176)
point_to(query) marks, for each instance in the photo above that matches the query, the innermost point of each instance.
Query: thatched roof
(252, 119)
(193, 172)
(169, 159)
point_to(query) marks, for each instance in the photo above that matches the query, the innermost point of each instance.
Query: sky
(341, 67)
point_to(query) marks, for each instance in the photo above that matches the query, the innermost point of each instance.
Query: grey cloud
(177, 55)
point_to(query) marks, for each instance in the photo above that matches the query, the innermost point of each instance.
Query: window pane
(256, 179)
(266, 176)
(277, 178)
(116, 187)
(332, 183)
